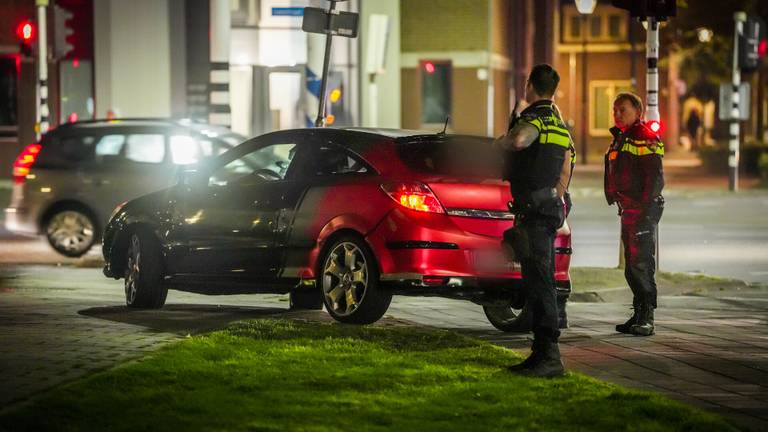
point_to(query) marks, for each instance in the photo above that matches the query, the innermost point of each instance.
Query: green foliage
(763, 166)
(277, 375)
(704, 66)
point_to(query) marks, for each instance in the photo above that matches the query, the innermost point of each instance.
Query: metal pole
(320, 120)
(42, 122)
(219, 104)
(652, 74)
(584, 96)
(733, 143)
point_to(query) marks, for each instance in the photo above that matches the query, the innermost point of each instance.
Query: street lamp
(585, 7)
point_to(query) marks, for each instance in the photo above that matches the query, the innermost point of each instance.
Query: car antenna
(447, 119)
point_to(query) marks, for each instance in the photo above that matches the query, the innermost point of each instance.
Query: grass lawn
(279, 375)
(595, 278)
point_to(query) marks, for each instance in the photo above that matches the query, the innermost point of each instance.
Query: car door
(229, 222)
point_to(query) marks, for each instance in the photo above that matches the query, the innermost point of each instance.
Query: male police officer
(538, 171)
(634, 179)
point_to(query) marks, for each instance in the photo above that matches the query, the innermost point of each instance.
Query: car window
(110, 145)
(333, 160)
(266, 164)
(76, 148)
(185, 150)
(147, 148)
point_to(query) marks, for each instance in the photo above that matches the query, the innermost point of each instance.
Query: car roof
(147, 122)
(390, 133)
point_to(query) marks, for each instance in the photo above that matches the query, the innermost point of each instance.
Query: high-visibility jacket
(540, 165)
(634, 175)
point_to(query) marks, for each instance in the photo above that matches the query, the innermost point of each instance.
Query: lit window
(601, 97)
(147, 148)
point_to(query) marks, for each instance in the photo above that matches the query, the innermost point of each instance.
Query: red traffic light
(429, 67)
(26, 31)
(762, 48)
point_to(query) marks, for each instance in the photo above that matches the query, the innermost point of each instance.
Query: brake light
(414, 196)
(24, 162)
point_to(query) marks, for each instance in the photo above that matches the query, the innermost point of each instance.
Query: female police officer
(633, 180)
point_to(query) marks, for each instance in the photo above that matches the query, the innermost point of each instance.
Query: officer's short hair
(544, 79)
(634, 99)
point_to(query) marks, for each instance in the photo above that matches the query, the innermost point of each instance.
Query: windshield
(452, 155)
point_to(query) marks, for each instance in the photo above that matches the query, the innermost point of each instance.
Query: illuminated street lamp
(704, 34)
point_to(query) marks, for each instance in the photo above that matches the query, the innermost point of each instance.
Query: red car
(338, 217)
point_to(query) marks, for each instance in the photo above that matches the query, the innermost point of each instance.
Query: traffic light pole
(652, 73)
(42, 122)
(733, 143)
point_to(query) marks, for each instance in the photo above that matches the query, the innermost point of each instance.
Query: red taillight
(414, 195)
(24, 162)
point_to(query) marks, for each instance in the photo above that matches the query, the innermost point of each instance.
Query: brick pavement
(58, 324)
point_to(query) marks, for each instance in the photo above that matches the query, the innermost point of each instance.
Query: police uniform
(634, 179)
(534, 174)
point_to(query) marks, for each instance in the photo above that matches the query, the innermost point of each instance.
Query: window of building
(146, 148)
(435, 92)
(595, 26)
(614, 26)
(575, 31)
(601, 95)
(8, 79)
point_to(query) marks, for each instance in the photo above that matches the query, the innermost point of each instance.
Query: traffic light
(659, 9)
(26, 31)
(62, 32)
(752, 44)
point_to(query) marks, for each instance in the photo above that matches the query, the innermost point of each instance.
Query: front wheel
(508, 319)
(143, 272)
(350, 282)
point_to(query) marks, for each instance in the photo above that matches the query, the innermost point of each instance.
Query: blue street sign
(288, 11)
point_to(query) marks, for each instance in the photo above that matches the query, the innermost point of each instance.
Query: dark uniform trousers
(638, 234)
(538, 269)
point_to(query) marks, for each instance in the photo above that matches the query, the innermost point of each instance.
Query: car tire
(71, 232)
(306, 298)
(349, 282)
(508, 319)
(143, 272)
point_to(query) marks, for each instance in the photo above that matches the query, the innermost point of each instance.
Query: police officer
(634, 179)
(538, 171)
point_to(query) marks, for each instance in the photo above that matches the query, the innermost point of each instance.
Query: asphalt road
(711, 232)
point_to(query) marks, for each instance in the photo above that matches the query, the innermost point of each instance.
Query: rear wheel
(509, 319)
(143, 272)
(350, 282)
(71, 232)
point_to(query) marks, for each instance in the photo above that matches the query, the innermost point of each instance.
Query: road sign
(288, 11)
(334, 23)
(726, 111)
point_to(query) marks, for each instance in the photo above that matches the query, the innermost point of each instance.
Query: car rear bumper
(424, 250)
(19, 220)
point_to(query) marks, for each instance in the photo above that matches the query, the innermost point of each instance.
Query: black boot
(562, 315)
(536, 353)
(644, 325)
(548, 365)
(625, 328)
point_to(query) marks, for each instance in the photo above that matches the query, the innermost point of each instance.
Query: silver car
(67, 185)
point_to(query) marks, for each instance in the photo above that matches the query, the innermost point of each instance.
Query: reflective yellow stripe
(552, 138)
(535, 123)
(643, 150)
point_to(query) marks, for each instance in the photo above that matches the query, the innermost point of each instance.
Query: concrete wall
(382, 88)
(133, 58)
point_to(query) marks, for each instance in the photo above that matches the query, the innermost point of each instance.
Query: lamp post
(585, 8)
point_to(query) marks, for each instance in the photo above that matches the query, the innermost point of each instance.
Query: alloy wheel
(132, 269)
(345, 278)
(70, 232)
